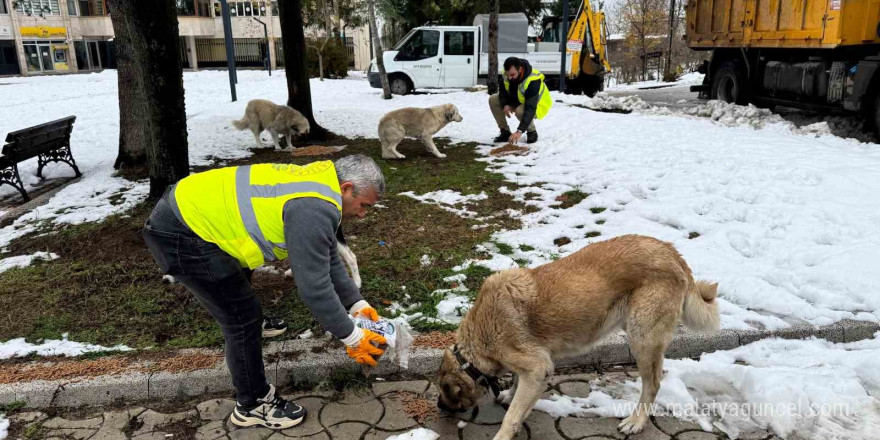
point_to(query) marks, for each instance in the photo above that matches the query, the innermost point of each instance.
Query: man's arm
(310, 233)
(531, 105)
(348, 291)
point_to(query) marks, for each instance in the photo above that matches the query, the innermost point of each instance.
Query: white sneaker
(272, 412)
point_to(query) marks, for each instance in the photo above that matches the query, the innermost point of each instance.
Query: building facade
(39, 37)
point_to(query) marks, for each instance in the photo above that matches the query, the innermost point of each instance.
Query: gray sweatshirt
(323, 283)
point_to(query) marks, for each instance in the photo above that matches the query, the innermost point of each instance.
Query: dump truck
(820, 55)
(431, 57)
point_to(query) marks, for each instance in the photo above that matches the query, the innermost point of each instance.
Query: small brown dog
(525, 319)
(420, 123)
(261, 114)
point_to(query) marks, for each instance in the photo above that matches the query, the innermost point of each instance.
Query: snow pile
(796, 388)
(4, 427)
(55, 347)
(25, 260)
(448, 200)
(732, 115)
(416, 434)
(604, 101)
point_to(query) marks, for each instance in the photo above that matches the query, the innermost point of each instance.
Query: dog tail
(701, 308)
(348, 257)
(240, 124)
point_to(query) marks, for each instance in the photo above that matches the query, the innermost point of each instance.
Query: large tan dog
(525, 319)
(282, 120)
(420, 123)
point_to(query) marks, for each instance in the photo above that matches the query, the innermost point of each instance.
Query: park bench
(49, 142)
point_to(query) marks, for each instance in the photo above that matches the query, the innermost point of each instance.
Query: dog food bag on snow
(396, 333)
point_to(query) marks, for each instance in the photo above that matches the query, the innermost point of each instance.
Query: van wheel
(400, 85)
(729, 84)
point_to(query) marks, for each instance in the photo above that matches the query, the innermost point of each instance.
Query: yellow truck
(586, 46)
(813, 54)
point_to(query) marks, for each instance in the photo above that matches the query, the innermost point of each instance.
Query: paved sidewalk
(369, 414)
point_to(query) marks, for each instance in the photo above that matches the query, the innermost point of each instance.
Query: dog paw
(632, 425)
(504, 398)
(441, 156)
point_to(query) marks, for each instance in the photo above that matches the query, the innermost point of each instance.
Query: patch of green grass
(571, 198)
(34, 432)
(345, 380)
(526, 248)
(592, 234)
(600, 222)
(597, 210)
(693, 235)
(106, 289)
(12, 407)
(521, 262)
(504, 248)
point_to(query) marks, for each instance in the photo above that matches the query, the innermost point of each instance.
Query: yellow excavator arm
(586, 43)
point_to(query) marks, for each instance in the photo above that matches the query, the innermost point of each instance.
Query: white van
(445, 57)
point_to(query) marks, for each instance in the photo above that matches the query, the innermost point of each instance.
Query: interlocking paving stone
(481, 432)
(211, 431)
(150, 436)
(74, 434)
(490, 414)
(673, 426)
(28, 417)
(108, 433)
(575, 389)
(348, 430)
(542, 426)
(368, 412)
(697, 435)
(61, 423)
(216, 409)
(357, 397)
(312, 425)
(577, 427)
(586, 377)
(395, 417)
(413, 386)
(251, 433)
(447, 427)
(650, 432)
(152, 420)
(120, 419)
(318, 436)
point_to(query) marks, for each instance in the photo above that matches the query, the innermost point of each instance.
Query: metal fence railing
(212, 51)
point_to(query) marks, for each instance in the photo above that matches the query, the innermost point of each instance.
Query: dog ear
(450, 112)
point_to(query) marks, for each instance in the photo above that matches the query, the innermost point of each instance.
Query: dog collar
(490, 382)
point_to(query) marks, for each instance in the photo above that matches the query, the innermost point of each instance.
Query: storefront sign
(42, 31)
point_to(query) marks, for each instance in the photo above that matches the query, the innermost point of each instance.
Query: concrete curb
(310, 361)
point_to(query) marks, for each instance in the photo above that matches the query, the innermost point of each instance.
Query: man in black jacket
(513, 99)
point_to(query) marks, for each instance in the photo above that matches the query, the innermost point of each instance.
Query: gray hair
(362, 172)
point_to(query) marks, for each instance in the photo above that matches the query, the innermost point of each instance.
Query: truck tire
(729, 84)
(400, 85)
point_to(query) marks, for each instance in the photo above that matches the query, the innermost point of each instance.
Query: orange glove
(364, 350)
(362, 309)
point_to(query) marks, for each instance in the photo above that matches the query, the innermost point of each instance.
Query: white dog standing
(420, 123)
(282, 120)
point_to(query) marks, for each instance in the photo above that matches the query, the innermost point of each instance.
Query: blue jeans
(223, 287)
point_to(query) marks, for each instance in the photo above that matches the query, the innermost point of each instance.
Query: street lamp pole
(230, 49)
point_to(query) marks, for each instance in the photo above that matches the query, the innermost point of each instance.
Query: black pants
(221, 286)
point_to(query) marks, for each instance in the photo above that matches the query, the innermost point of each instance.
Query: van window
(421, 45)
(458, 43)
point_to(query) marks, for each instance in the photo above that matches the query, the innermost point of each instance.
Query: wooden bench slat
(50, 141)
(47, 126)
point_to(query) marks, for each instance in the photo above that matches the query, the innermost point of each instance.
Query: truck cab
(431, 57)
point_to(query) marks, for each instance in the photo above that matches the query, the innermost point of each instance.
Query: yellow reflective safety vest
(544, 100)
(240, 209)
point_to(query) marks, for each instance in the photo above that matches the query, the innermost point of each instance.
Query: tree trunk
(492, 77)
(668, 73)
(151, 88)
(297, 70)
(132, 156)
(377, 47)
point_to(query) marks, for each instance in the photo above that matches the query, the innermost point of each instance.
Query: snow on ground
(787, 219)
(416, 434)
(53, 347)
(24, 260)
(448, 200)
(688, 79)
(4, 427)
(797, 388)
